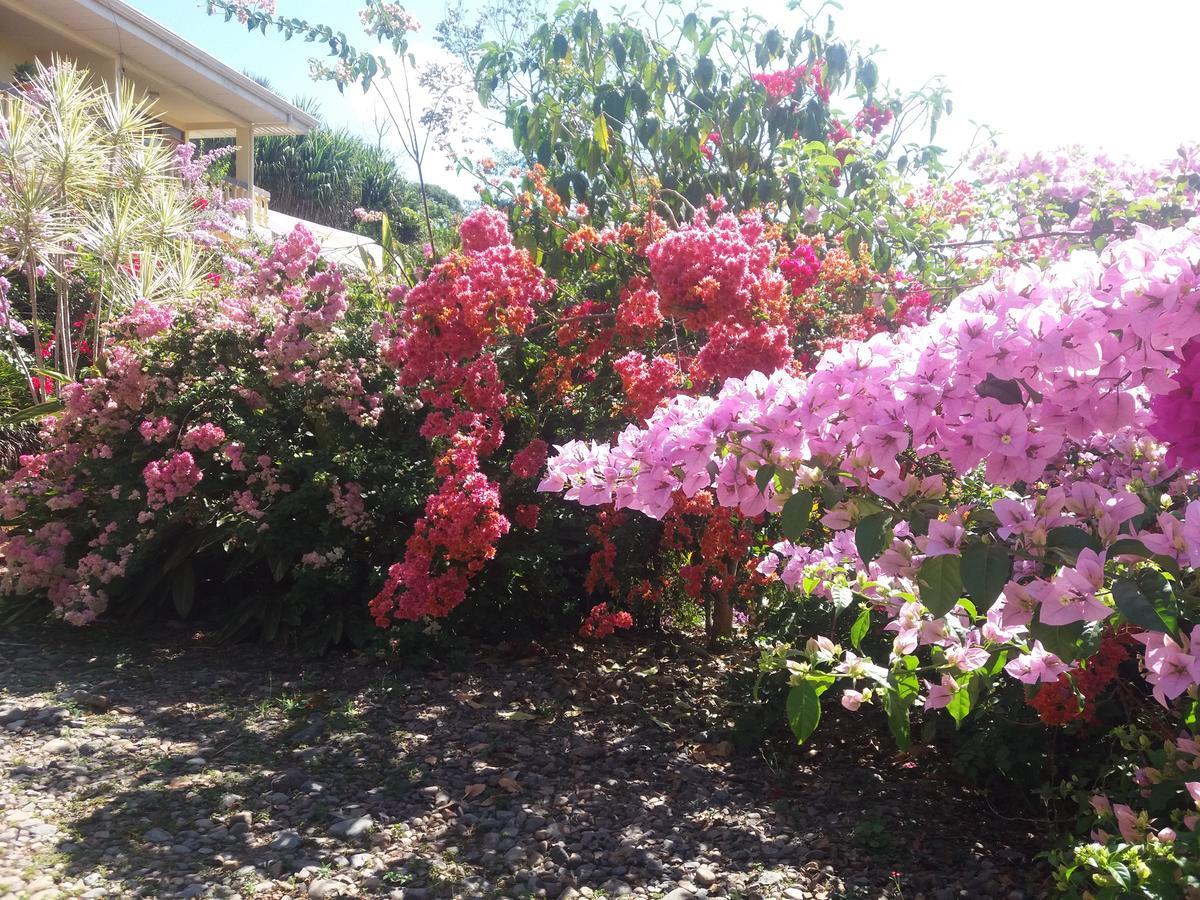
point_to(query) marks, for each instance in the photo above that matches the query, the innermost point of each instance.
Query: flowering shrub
(254, 424)
(1051, 386)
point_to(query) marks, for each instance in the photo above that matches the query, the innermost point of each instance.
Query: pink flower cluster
(146, 319)
(1177, 412)
(387, 20)
(782, 84)
(204, 437)
(801, 267)
(169, 479)
(483, 229)
(346, 502)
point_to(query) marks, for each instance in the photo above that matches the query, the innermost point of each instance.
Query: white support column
(244, 163)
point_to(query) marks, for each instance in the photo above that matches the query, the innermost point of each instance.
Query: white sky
(1108, 74)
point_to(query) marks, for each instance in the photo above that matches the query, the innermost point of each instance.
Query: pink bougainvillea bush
(987, 496)
(235, 454)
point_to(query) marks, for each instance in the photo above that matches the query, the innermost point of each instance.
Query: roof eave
(282, 114)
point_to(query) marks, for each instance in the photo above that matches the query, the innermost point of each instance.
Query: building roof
(204, 96)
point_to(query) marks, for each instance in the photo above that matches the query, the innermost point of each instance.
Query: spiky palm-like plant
(86, 185)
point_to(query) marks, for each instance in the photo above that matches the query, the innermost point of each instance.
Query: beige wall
(13, 53)
(173, 106)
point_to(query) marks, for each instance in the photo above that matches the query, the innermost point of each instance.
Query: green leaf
(986, 569)
(764, 476)
(803, 710)
(1129, 547)
(600, 132)
(689, 26)
(1120, 874)
(1136, 607)
(939, 581)
(871, 535)
(1006, 390)
(1157, 587)
(280, 566)
(842, 596)
(861, 626)
(904, 680)
(1061, 640)
(618, 49)
(869, 75)
(794, 518)
(959, 705)
(29, 413)
(1068, 540)
(897, 716)
(787, 480)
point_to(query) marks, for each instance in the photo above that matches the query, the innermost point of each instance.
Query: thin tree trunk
(722, 619)
(63, 351)
(31, 282)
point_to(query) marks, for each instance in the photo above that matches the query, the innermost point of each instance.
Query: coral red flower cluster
(646, 383)
(723, 539)
(783, 83)
(528, 461)
(451, 543)
(485, 227)
(463, 308)
(1074, 696)
(873, 118)
(527, 515)
(735, 350)
(709, 273)
(638, 315)
(600, 623)
(602, 571)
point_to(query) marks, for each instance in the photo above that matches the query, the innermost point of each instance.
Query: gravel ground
(160, 767)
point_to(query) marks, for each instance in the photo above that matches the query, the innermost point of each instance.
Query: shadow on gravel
(242, 768)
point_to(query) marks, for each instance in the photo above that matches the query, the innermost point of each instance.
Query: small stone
(286, 841)
(351, 828)
(159, 836)
(679, 894)
(58, 747)
(705, 876)
(768, 878)
(325, 888)
(96, 702)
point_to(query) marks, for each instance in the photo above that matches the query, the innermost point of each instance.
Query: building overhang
(222, 98)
